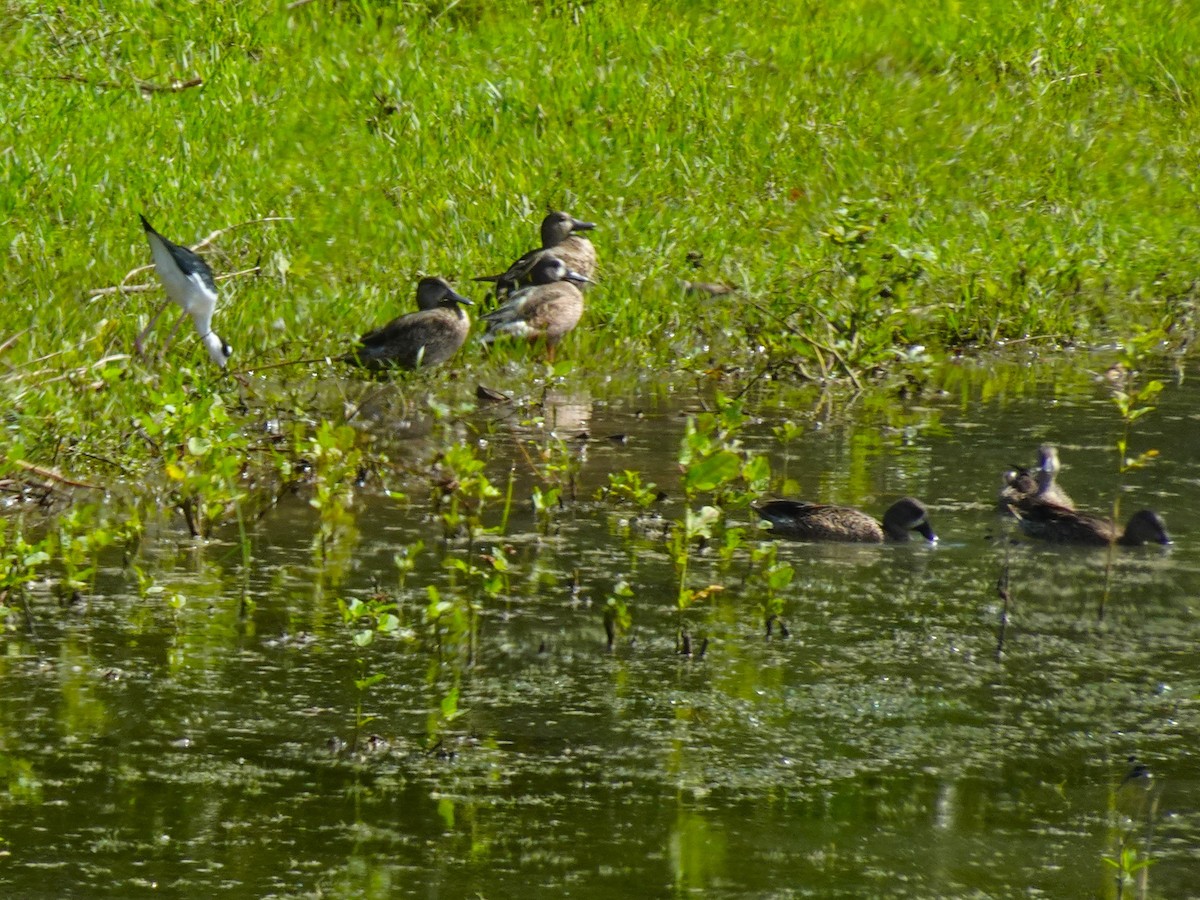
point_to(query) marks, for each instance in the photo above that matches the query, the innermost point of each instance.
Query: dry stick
(361, 405)
(174, 87)
(1002, 590)
(69, 373)
(13, 339)
(143, 288)
(220, 231)
(148, 87)
(43, 472)
(18, 375)
(766, 370)
(287, 362)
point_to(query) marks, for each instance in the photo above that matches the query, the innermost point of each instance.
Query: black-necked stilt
(548, 309)
(558, 238)
(425, 338)
(189, 284)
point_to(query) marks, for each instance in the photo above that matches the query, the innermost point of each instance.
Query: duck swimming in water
(818, 522)
(1060, 525)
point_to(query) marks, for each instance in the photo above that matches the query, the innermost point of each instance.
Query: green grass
(871, 175)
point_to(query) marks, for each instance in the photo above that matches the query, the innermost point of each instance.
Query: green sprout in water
(617, 617)
(365, 620)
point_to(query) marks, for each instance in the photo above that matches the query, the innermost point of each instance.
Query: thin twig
(1002, 590)
(148, 87)
(12, 340)
(174, 87)
(17, 375)
(123, 288)
(144, 288)
(43, 472)
(196, 248)
(254, 370)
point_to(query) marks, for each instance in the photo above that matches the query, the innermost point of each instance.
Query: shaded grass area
(870, 176)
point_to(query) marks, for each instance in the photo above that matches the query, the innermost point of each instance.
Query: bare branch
(42, 472)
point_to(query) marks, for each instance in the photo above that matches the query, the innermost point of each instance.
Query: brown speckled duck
(560, 240)
(1060, 525)
(817, 522)
(1022, 484)
(548, 309)
(425, 338)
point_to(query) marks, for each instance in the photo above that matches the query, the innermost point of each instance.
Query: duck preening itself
(1020, 484)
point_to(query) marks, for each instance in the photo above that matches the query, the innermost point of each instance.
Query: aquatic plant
(405, 560)
(83, 532)
(618, 618)
(556, 465)
(786, 433)
(712, 462)
(767, 577)
(1134, 808)
(1132, 870)
(334, 462)
(365, 619)
(202, 452)
(1133, 400)
(21, 560)
(626, 487)
(461, 492)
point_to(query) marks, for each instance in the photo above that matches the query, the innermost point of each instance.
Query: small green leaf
(199, 446)
(780, 576)
(710, 473)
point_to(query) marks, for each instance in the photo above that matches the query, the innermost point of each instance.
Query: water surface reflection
(201, 738)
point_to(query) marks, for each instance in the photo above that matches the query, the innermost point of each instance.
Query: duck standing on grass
(189, 284)
(424, 338)
(548, 309)
(817, 522)
(558, 239)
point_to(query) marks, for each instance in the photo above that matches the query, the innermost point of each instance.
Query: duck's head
(435, 292)
(558, 226)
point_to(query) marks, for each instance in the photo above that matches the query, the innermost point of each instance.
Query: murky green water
(200, 739)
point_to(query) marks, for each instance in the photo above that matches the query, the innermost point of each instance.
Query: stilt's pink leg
(171, 336)
(137, 343)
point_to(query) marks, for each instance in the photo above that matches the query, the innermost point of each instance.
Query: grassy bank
(869, 175)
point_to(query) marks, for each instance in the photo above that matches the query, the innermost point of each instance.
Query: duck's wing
(401, 341)
(1060, 524)
(511, 309)
(517, 272)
